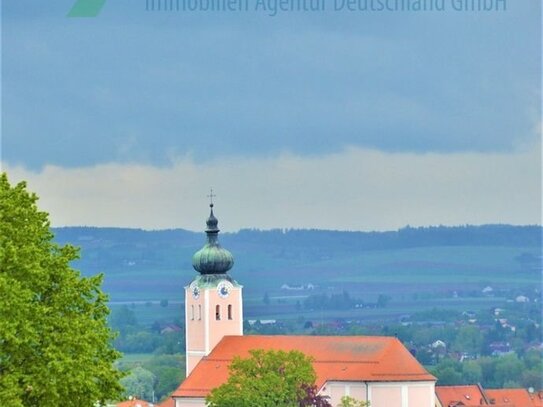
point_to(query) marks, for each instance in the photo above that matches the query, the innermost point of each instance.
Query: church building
(370, 368)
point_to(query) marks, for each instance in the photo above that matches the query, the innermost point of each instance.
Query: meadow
(421, 271)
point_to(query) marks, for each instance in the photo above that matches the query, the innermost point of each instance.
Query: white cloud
(355, 190)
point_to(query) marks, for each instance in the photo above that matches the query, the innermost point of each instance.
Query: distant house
(262, 321)
(498, 311)
(133, 402)
(170, 328)
(456, 396)
(487, 290)
(500, 348)
(475, 395)
(438, 344)
(512, 397)
(522, 299)
(301, 287)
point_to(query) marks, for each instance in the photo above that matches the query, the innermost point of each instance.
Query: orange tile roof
(347, 358)
(470, 395)
(537, 399)
(134, 403)
(511, 397)
(169, 402)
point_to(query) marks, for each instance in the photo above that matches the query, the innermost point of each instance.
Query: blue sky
(157, 90)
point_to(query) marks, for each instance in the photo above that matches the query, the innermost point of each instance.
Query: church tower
(213, 302)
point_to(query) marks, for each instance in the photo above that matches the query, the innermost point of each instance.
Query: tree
(169, 372)
(265, 379)
(311, 397)
(55, 346)
(472, 372)
(448, 372)
(139, 383)
(123, 319)
(508, 369)
(348, 401)
(469, 339)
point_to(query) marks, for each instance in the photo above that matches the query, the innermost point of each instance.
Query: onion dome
(212, 258)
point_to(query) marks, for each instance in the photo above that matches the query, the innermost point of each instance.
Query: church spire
(212, 258)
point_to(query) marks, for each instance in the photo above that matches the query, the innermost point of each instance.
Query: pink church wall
(386, 396)
(415, 394)
(358, 391)
(421, 395)
(219, 328)
(336, 390)
(195, 325)
(190, 402)
(203, 330)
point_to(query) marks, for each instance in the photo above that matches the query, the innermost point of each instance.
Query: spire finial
(211, 196)
(212, 258)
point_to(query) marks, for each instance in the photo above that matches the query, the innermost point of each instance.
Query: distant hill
(150, 265)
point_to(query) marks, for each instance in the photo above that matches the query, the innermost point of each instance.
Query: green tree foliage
(123, 319)
(468, 339)
(509, 368)
(55, 346)
(472, 372)
(171, 343)
(493, 372)
(169, 371)
(348, 401)
(139, 383)
(265, 379)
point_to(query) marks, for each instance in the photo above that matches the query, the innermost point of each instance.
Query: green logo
(86, 8)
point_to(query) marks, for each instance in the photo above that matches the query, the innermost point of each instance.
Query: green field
(417, 268)
(429, 268)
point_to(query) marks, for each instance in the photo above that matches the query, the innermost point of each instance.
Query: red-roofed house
(453, 396)
(378, 369)
(169, 402)
(134, 403)
(537, 398)
(510, 397)
(474, 395)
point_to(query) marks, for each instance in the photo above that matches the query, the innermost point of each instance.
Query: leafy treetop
(55, 346)
(268, 379)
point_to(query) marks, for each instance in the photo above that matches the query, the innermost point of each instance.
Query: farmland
(417, 269)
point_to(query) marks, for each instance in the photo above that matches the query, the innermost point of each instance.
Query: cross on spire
(211, 196)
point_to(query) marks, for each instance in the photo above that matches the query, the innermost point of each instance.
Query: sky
(335, 119)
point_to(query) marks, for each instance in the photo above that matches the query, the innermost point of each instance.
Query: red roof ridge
(399, 374)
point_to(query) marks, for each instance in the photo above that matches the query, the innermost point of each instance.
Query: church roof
(337, 358)
(212, 258)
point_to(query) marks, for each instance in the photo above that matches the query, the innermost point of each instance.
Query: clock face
(223, 289)
(195, 292)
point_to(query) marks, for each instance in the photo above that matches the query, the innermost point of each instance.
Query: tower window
(192, 312)
(218, 312)
(199, 312)
(229, 311)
